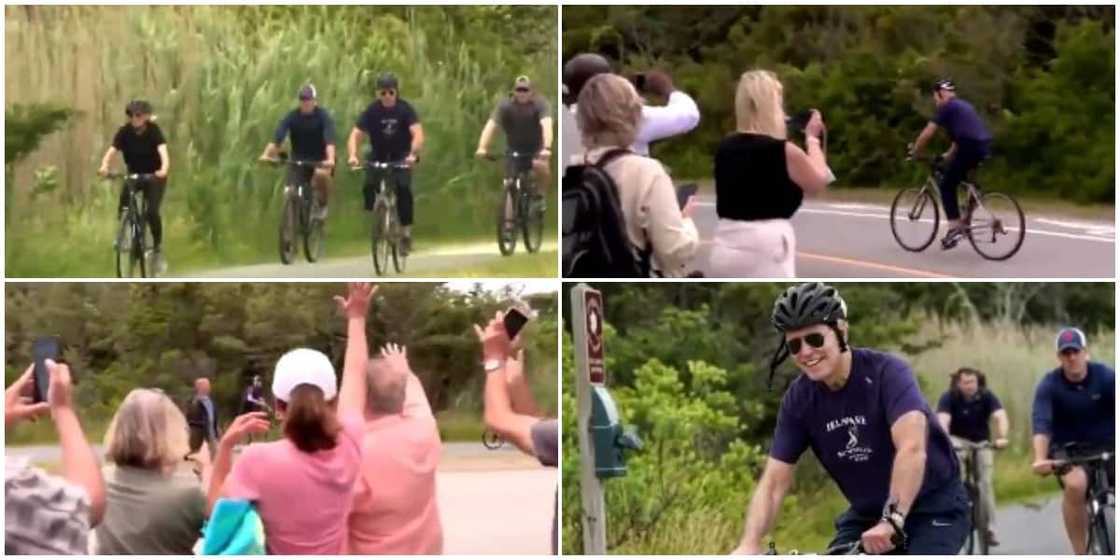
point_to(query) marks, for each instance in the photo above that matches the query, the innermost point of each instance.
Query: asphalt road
(491, 502)
(1034, 527)
(443, 261)
(849, 240)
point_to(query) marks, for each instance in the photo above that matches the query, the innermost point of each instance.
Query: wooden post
(587, 335)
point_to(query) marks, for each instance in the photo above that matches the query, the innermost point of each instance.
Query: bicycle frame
(1099, 496)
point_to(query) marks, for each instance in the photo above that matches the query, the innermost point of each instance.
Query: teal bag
(234, 527)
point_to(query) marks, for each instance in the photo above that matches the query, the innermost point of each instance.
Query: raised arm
(352, 393)
(79, 463)
(499, 413)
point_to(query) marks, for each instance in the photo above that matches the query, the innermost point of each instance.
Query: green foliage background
(687, 365)
(1041, 76)
(220, 78)
(123, 336)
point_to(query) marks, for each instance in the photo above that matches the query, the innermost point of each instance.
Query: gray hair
(609, 112)
(385, 387)
(148, 431)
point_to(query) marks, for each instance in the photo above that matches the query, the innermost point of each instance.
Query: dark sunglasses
(386, 93)
(521, 90)
(815, 340)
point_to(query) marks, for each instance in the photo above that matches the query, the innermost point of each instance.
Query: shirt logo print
(389, 126)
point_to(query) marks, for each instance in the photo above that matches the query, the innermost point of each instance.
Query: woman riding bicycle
(971, 145)
(144, 148)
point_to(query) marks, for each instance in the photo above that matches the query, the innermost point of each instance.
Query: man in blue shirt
(861, 413)
(312, 131)
(971, 145)
(202, 417)
(965, 411)
(1074, 414)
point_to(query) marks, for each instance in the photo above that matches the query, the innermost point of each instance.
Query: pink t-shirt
(394, 509)
(303, 498)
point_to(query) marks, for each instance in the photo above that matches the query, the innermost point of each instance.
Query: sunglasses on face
(386, 93)
(521, 90)
(815, 340)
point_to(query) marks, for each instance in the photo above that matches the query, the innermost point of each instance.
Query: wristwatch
(893, 516)
(492, 365)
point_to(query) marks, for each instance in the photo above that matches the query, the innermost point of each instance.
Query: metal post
(587, 331)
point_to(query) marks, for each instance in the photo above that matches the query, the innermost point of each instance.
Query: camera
(798, 121)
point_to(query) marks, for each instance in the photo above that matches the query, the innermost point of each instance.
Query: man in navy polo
(965, 412)
(1074, 414)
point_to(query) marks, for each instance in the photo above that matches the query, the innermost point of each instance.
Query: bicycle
(491, 440)
(841, 549)
(521, 207)
(988, 217)
(1099, 498)
(977, 517)
(132, 245)
(300, 215)
(385, 234)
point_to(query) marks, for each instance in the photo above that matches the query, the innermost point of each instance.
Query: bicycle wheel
(379, 237)
(1100, 541)
(288, 220)
(970, 540)
(996, 226)
(491, 440)
(124, 248)
(532, 217)
(395, 234)
(138, 256)
(507, 221)
(914, 219)
(314, 233)
(980, 526)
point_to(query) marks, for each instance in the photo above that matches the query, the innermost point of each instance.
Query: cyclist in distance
(1074, 404)
(312, 131)
(965, 411)
(971, 145)
(861, 412)
(395, 135)
(525, 118)
(144, 148)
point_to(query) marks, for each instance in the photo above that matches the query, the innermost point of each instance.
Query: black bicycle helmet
(581, 68)
(387, 80)
(805, 305)
(138, 107)
(944, 84)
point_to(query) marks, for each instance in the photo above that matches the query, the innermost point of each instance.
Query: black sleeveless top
(752, 182)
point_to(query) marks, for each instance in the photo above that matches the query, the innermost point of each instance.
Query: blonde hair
(758, 104)
(148, 431)
(609, 112)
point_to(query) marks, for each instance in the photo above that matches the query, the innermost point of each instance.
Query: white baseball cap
(303, 366)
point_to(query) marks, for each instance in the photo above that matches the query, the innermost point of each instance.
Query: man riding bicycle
(965, 411)
(395, 135)
(312, 131)
(1074, 404)
(525, 119)
(861, 412)
(971, 145)
(140, 141)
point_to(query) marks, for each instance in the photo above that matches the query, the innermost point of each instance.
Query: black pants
(153, 196)
(401, 179)
(937, 523)
(968, 157)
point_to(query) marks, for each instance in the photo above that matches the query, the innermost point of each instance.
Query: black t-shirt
(388, 128)
(752, 182)
(311, 133)
(970, 417)
(140, 150)
(522, 123)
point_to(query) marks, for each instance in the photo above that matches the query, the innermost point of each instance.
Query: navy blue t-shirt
(311, 133)
(970, 418)
(850, 430)
(961, 121)
(388, 128)
(1082, 412)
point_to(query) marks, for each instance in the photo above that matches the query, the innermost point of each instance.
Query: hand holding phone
(42, 349)
(514, 321)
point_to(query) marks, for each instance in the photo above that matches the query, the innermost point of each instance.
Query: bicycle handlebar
(131, 176)
(1087, 459)
(512, 155)
(296, 162)
(845, 549)
(381, 165)
(965, 446)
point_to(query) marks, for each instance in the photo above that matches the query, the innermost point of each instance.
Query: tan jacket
(649, 205)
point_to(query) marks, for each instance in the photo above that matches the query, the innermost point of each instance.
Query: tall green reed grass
(220, 79)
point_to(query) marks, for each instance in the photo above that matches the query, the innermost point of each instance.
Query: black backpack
(595, 243)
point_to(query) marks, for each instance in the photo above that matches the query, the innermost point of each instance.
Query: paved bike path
(853, 240)
(1033, 527)
(450, 261)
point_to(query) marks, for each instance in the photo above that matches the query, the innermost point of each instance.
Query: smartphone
(514, 321)
(42, 349)
(685, 192)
